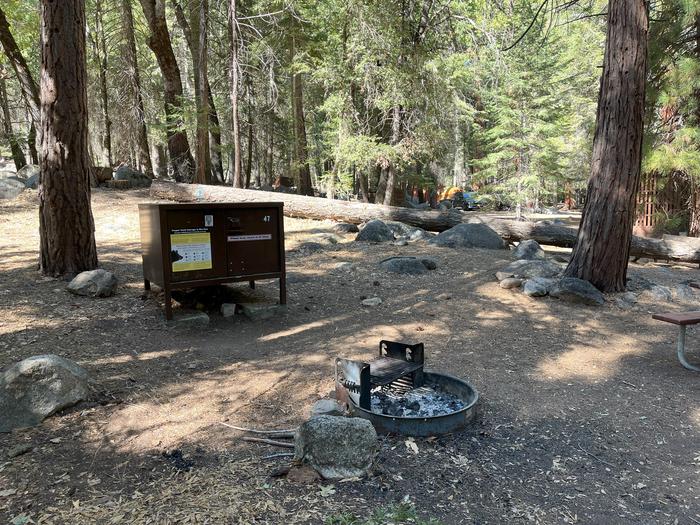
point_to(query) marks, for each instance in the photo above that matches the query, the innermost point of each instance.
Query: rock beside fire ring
(336, 447)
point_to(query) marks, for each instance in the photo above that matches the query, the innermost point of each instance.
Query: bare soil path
(585, 415)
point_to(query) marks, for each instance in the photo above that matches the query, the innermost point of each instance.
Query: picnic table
(682, 319)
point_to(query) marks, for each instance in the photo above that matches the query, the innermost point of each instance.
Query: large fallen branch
(670, 247)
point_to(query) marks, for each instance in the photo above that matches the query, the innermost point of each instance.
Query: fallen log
(672, 248)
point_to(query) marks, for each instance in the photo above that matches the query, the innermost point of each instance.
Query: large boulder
(538, 286)
(526, 269)
(135, 178)
(30, 175)
(529, 249)
(37, 387)
(345, 227)
(11, 188)
(405, 231)
(575, 290)
(407, 265)
(472, 235)
(336, 447)
(375, 231)
(93, 283)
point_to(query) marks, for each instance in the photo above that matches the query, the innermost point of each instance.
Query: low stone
(262, 311)
(189, 318)
(472, 235)
(372, 301)
(419, 235)
(538, 286)
(504, 275)
(310, 247)
(400, 242)
(626, 300)
(345, 227)
(405, 265)
(375, 231)
(327, 407)
(325, 239)
(683, 292)
(529, 249)
(577, 291)
(135, 178)
(38, 387)
(93, 283)
(336, 447)
(659, 293)
(510, 282)
(344, 266)
(11, 188)
(228, 309)
(406, 231)
(430, 264)
(28, 171)
(18, 450)
(443, 297)
(528, 269)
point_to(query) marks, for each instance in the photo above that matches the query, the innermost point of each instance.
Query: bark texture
(17, 153)
(181, 161)
(236, 127)
(138, 116)
(602, 249)
(66, 227)
(674, 248)
(30, 90)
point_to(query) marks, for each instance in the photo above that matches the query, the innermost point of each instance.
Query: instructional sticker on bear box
(190, 251)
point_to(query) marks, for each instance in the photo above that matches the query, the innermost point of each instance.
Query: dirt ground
(585, 414)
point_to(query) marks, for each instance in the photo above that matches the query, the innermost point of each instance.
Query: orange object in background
(449, 193)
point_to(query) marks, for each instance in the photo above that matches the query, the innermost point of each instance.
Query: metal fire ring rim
(426, 418)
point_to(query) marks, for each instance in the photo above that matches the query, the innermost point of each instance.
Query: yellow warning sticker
(190, 251)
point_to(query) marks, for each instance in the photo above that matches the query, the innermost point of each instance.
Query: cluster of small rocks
(418, 402)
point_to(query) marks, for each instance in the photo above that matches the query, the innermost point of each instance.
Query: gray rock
(262, 311)
(419, 235)
(473, 235)
(526, 269)
(626, 300)
(406, 265)
(310, 247)
(336, 447)
(560, 258)
(400, 242)
(344, 266)
(659, 293)
(504, 275)
(575, 290)
(402, 230)
(538, 286)
(30, 174)
(11, 188)
(20, 449)
(136, 178)
(325, 239)
(228, 309)
(510, 282)
(93, 283)
(529, 249)
(189, 319)
(327, 407)
(637, 283)
(684, 292)
(372, 301)
(346, 227)
(38, 387)
(375, 231)
(430, 264)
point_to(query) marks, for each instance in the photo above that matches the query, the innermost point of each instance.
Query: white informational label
(208, 221)
(259, 237)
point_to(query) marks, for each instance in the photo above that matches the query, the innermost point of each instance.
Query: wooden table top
(679, 318)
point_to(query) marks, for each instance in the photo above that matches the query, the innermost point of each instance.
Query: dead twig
(269, 442)
(280, 455)
(593, 456)
(277, 433)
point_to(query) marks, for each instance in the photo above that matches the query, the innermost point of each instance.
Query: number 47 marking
(267, 218)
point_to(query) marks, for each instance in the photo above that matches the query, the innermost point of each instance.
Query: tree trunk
(199, 12)
(17, 153)
(694, 198)
(391, 170)
(300, 143)
(602, 250)
(270, 149)
(99, 46)
(31, 143)
(138, 117)
(249, 163)
(66, 227)
(236, 155)
(30, 90)
(674, 248)
(181, 161)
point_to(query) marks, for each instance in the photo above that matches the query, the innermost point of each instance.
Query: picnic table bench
(682, 319)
